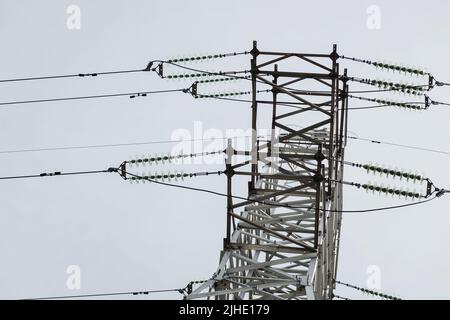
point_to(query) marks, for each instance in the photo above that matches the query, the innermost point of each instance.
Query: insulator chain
(205, 57)
(370, 168)
(212, 77)
(219, 80)
(389, 66)
(387, 190)
(175, 176)
(227, 94)
(399, 68)
(392, 103)
(415, 90)
(167, 158)
(372, 292)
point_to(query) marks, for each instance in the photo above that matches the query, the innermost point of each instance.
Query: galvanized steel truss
(283, 242)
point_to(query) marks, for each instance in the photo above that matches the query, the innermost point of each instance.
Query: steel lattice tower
(284, 242)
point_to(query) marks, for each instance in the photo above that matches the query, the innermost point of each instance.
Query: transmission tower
(283, 242)
(282, 239)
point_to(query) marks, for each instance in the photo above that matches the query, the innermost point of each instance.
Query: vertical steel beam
(254, 71)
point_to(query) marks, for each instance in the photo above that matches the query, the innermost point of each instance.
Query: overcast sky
(143, 237)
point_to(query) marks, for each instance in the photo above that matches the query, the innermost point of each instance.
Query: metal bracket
(160, 70)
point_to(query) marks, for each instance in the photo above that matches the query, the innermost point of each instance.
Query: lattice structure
(283, 243)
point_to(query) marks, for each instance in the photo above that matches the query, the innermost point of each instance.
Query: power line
(440, 83)
(371, 91)
(133, 94)
(370, 107)
(180, 290)
(399, 145)
(292, 105)
(233, 75)
(130, 94)
(298, 107)
(386, 208)
(145, 93)
(56, 173)
(438, 103)
(112, 169)
(171, 62)
(381, 105)
(74, 75)
(147, 68)
(339, 297)
(186, 290)
(190, 188)
(275, 204)
(178, 186)
(114, 145)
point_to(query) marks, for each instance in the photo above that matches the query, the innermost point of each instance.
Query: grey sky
(127, 237)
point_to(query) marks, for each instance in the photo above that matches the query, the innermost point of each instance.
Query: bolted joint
(318, 178)
(229, 171)
(334, 55)
(275, 90)
(254, 52)
(344, 78)
(254, 70)
(319, 156)
(343, 94)
(333, 74)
